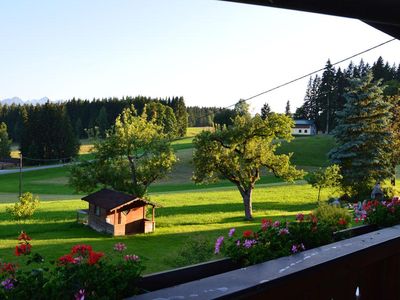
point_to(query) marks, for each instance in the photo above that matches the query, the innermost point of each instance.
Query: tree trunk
(248, 205)
(319, 194)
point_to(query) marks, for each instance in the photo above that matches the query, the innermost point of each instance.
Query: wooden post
(20, 174)
(152, 220)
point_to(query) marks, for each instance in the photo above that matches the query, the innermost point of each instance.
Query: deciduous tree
(239, 152)
(134, 154)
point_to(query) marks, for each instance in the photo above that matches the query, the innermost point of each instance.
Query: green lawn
(187, 210)
(309, 151)
(182, 215)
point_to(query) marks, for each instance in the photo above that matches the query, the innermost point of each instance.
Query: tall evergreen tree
(102, 122)
(5, 142)
(326, 98)
(265, 111)
(310, 109)
(364, 141)
(181, 115)
(48, 133)
(287, 109)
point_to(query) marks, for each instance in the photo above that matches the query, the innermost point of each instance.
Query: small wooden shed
(118, 213)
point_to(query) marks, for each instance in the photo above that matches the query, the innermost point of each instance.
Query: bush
(195, 250)
(275, 239)
(336, 218)
(25, 208)
(80, 274)
(382, 214)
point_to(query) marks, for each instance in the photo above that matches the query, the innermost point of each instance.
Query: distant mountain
(19, 101)
(9, 101)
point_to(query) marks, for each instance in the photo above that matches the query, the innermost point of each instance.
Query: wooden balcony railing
(362, 267)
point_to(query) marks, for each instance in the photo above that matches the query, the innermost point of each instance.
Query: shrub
(275, 239)
(336, 218)
(80, 274)
(25, 208)
(195, 250)
(382, 214)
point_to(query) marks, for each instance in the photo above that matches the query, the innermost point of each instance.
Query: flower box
(367, 265)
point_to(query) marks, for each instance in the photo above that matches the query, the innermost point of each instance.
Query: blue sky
(211, 52)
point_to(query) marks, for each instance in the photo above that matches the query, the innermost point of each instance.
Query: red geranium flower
(81, 249)
(24, 236)
(94, 257)
(8, 268)
(66, 260)
(247, 233)
(23, 249)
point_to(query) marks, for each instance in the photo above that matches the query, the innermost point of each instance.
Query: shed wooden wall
(99, 223)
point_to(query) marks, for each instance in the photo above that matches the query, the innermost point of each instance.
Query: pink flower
(265, 224)
(297, 248)
(218, 244)
(276, 224)
(131, 257)
(119, 247)
(80, 295)
(300, 217)
(238, 243)
(231, 232)
(283, 231)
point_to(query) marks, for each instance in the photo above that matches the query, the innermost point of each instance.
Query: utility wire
(46, 159)
(319, 70)
(303, 76)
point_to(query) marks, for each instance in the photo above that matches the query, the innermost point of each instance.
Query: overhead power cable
(304, 76)
(317, 71)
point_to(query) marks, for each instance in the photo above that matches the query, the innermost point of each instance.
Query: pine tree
(287, 109)
(5, 142)
(48, 133)
(181, 115)
(102, 122)
(310, 108)
(364, 141)
(265, 111)
(326, 98)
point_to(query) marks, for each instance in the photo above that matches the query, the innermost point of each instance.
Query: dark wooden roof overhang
(381, 14)
(111, 200)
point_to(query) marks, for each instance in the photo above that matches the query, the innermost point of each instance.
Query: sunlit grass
(181, 215)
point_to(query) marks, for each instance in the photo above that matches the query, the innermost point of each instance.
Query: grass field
(182, 215)
(187, 210)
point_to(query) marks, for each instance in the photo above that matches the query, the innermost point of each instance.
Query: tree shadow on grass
(232, 207)
(152, 248)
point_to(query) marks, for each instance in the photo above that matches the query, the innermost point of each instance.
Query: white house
(304, 127)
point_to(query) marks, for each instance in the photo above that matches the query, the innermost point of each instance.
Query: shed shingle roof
(109, 199)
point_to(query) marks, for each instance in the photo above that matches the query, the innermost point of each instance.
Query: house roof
(382, 14)
(109, 199)
(303, 122)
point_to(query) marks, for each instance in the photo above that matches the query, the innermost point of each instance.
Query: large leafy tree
(364, 140)
(239, 152)
(134, 154)
(5, 142)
